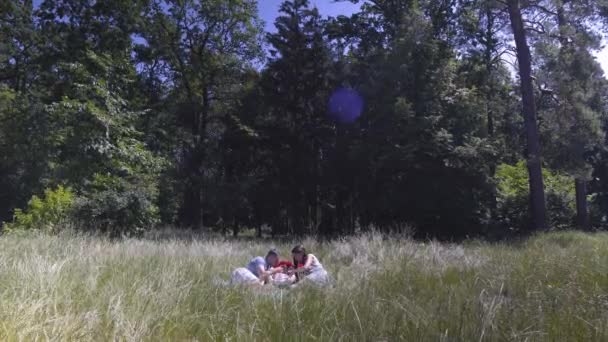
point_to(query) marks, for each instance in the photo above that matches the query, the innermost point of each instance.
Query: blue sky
(269, 9)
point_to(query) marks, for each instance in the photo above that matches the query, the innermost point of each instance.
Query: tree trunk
(537, 192)
(235, 228)
(490, 47)
(580, 185)
(317, 194)
(582, 213)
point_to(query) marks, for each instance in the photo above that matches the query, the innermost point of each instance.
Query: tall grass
(552, 287)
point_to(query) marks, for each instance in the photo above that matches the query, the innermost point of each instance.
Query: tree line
(453, 118)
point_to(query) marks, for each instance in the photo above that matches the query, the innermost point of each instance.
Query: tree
(481, 38)
(21, 169)
(396, 116)
(574, 84)
(18, 47)
(295, 90)
(481, 24)
(76, 124)
(99, 151)
(202, 48)
(533, 153)
(420, 141)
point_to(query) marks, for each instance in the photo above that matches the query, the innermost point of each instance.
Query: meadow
(551, 287)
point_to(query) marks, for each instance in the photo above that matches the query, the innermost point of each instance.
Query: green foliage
(207, 49)
(571, 113)
(421, 149)
(102, 149)
(23, 151)
(292, 112)
(513, 193)
(165, 110)
(47, 213)
(115, 205)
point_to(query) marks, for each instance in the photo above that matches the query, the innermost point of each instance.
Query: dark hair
(272, 251)
(300, 250)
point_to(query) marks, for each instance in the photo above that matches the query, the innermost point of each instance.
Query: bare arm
(274, 270)
(308, 263)
(263, 274)
(306, 267)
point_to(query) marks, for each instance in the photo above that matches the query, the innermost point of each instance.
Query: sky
(602, 57)
(269, 10)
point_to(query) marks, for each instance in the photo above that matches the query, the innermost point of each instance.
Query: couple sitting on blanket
(272, 270)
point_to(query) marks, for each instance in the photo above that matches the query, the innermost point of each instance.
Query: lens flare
(345, 105)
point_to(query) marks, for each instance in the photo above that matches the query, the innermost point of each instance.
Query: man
(260, 270)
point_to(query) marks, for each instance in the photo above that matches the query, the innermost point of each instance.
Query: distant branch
(544, 91)
(509, 52)
(511, 63)
(535, 26)
(534, 29)
(543, 9)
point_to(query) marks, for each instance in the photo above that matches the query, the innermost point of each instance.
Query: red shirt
(284, 263)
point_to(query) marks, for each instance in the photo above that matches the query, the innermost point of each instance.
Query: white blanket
(243, 276)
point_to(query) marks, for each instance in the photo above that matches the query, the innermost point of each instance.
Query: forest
(444, 118)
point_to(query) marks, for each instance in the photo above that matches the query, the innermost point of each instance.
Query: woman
(308, 267)
(259, 270)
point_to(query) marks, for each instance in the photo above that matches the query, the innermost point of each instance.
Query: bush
(513, 194)
(44, 213)
(117, 206)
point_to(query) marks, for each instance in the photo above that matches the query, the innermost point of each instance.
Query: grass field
(553, 287)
